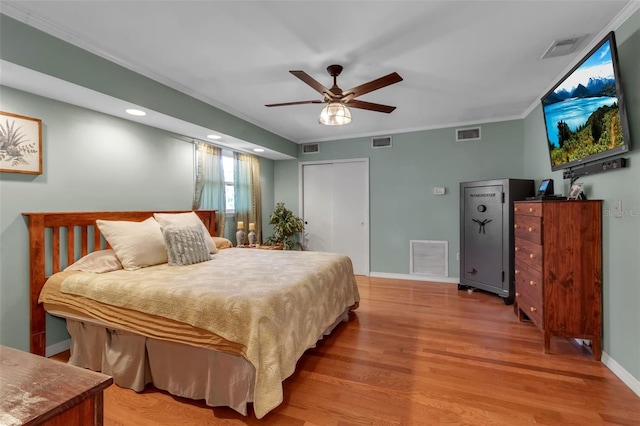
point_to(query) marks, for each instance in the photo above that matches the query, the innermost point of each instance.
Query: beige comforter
(274, 303)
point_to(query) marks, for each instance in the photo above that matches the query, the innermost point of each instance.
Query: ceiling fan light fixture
(335, 114)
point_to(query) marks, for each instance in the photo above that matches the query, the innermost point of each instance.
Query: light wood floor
(420, 353)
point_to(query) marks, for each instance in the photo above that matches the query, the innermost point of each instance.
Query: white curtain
(209, 188)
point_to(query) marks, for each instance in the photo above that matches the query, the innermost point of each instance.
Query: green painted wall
(620, 239)
(285, 176)
(401, 182)
(266, 181)
(92, 162)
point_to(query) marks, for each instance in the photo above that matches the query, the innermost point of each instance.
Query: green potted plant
(285, 226)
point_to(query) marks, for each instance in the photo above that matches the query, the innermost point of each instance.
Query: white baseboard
(57, 348)
(415, 277)
(624, 375)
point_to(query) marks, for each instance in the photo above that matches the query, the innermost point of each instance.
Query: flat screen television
(584, 113)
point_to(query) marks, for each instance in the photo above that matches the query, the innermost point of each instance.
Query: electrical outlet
(458, 256)
(617, 208)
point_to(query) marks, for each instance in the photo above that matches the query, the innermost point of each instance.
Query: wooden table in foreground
(38, 391)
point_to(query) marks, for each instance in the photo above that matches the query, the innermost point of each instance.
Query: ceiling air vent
(468, 134)
(381, 142)
(562, 47)
(310, 148)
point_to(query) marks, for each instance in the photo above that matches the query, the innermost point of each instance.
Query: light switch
(439, 190)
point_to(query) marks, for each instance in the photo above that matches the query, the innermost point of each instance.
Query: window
(227, 168)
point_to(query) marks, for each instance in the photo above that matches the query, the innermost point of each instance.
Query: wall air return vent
(429, 257)
(468, 134)
(310, 148)
(381, 142)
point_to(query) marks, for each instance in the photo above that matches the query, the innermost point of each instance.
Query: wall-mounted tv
(584, 113)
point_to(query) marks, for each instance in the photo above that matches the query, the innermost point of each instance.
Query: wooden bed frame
(40, 249)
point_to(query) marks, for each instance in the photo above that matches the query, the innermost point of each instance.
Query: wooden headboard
(61, 224)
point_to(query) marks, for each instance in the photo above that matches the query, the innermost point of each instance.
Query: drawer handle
(516, 226)
(517, 271)
(517, 294)
(530, 209)
(532, 256)
(517, 248)
(516, 209)
(532, 309)
(532, 283)
(531, 229)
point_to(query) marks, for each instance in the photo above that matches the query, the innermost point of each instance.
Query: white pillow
(136, 244)
(186, 219)
(98, 261)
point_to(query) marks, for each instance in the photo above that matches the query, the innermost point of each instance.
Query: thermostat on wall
(439, 190)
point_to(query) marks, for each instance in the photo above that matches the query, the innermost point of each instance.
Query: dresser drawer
(531, 308)
(529, 281)
(530, 209)
(528, 228)
(528, 252)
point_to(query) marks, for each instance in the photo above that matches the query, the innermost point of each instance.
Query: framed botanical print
(20, 144)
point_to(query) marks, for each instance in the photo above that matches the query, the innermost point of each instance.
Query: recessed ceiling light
(136, 112)
(258, 150)
(214, 137)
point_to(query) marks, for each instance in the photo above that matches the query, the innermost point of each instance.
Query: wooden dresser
(38, 391)
(558, 264)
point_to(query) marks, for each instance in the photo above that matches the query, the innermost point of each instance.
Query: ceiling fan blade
(295, 103)
(313, 83)
(376, 84)
(370, 106)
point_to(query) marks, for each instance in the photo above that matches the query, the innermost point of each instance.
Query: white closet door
(318, 206)
(336, 209)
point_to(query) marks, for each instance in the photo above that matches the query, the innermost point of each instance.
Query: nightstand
(36, 390)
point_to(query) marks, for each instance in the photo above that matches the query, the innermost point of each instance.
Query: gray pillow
(185, 245)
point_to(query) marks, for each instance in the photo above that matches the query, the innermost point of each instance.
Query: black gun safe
(486, 234)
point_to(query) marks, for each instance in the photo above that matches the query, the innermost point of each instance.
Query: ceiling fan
(336, 113)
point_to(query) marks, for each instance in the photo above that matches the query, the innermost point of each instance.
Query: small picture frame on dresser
(576, 192)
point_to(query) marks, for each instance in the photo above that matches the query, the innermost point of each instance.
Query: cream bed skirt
(219, 378)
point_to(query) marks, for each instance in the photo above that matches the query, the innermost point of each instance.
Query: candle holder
(253, 238)
(240, 235)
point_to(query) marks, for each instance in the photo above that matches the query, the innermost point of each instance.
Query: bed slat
(71, 244)
(96, 239)
(55, 241)
(83, 238)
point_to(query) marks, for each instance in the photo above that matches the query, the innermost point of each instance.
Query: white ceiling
(463, 62)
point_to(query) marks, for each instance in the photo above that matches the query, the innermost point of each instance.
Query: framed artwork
(574, 193)
(20, 144)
